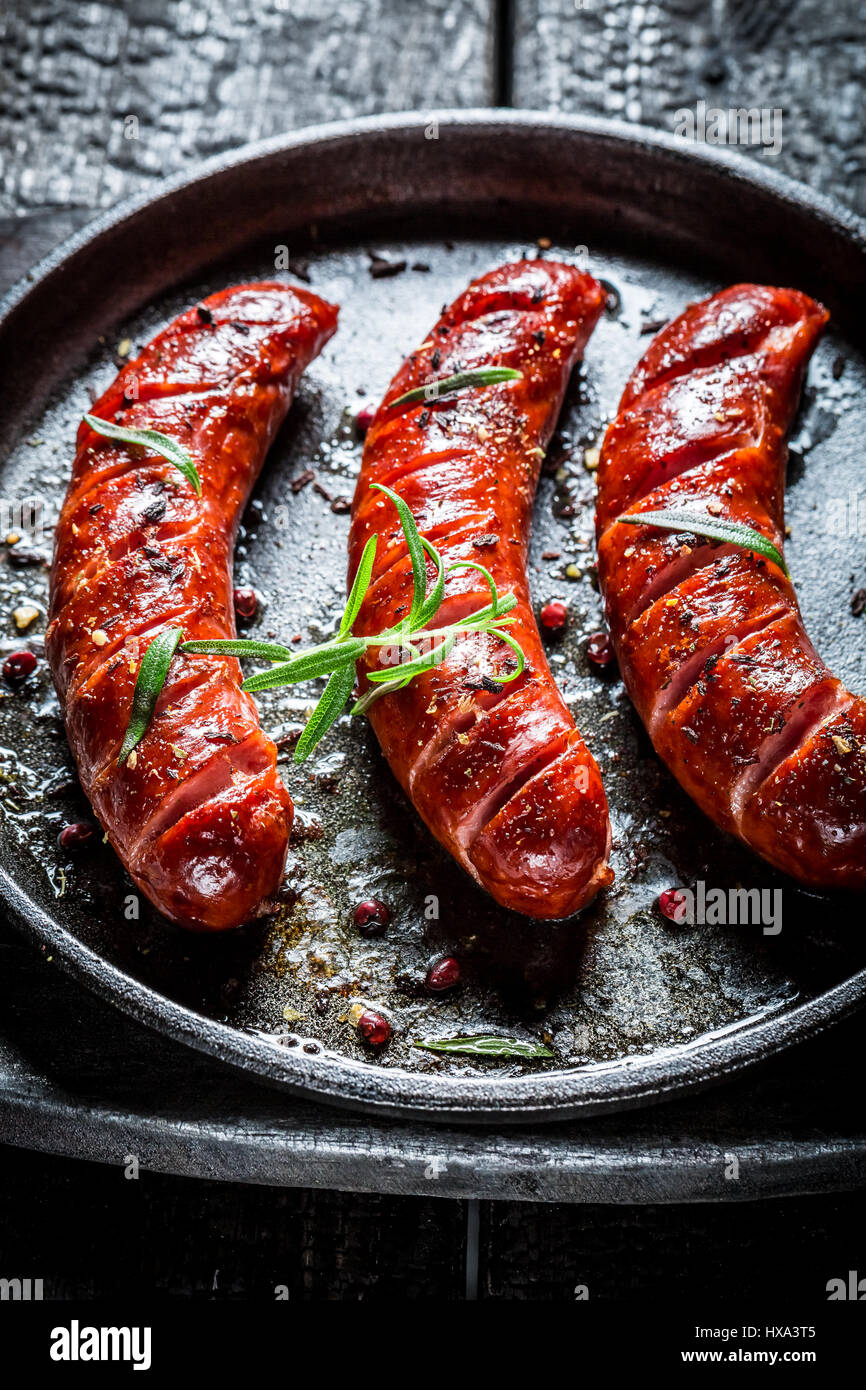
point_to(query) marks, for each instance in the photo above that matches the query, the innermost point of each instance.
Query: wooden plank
(778, 1255)
(100, 100)
(227, 1241)
(645, 62)
(95, 1233)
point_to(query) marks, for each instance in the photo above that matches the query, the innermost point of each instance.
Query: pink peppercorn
(443, 974)
(18, 666)
(371, 917)
(246, 603)
(554, 615)
(599, 649)
(672, 904)
(373, 1028)
(76, 834)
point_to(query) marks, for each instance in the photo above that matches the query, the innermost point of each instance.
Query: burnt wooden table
(99, 101)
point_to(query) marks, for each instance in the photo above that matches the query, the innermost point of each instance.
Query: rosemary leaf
(462, 381)
(433, 602)
(327, 711)
(307, 666)
(485, 1046)
(414, 667)
(518, 652)
(239, 646)
(482, 617)
(336, 657)
(702, 524)
(415, 548)
(360, 586)
(375, 693)
(489, 580)
(156, 442)
(148, 687)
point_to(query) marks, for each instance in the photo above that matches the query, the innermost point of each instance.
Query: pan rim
(400, 1093)
(718, 159)
(549, 1096)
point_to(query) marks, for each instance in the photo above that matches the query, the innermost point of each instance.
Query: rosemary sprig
(414, 645)
(462, 381)
(700, 524)
(155, 441)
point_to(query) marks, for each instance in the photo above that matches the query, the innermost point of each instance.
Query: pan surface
(633, 1007)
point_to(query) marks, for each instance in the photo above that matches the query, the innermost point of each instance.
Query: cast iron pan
(634, 1007)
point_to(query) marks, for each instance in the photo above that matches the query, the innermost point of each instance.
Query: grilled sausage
(709, 637)
(197, 813)
(499, 773)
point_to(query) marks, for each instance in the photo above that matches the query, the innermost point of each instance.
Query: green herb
(156, 442)
(485, 1046)
(148, 687)
(327, 711)
(416, 646)
(463, 381)
(240, 646)
(306, 666)
(701, 524)
(360, 585)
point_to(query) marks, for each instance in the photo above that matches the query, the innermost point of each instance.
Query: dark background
(626, 1206)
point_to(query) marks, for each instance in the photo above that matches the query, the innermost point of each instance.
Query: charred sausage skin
(197, 814)
(709, 637)
(500, 774)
